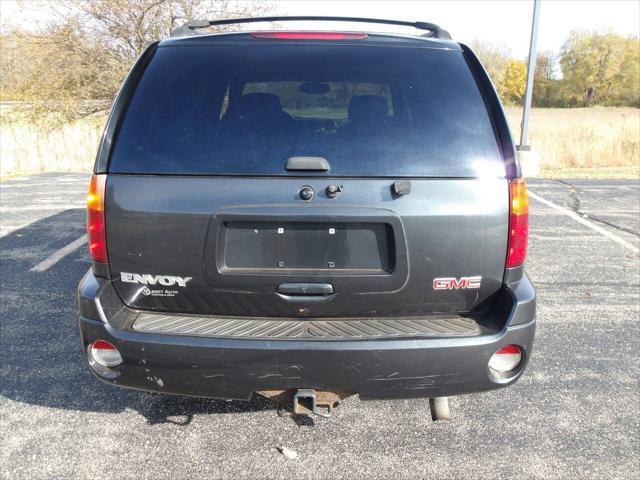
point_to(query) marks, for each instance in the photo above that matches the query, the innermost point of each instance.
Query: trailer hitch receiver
(305, 402)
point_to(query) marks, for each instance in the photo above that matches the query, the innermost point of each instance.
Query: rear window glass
(369, 111)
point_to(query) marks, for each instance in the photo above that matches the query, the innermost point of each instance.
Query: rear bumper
(235, 368)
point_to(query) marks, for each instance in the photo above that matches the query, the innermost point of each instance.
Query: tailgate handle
(306, 289)
(316, 164)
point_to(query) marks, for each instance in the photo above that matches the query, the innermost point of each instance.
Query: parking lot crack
(574, 204)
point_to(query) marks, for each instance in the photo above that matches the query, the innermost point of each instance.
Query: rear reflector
(310, 35)
(518, 223)
(506, 359)
(105, 354)
(95, 219)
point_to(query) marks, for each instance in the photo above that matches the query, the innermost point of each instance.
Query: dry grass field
(26, 147)
(572, 142)
(598, 141)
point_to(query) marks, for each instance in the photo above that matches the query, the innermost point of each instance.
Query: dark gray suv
(308, 215)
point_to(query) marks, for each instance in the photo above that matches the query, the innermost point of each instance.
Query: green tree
(546, 85)
(625, 89)
(590, 63)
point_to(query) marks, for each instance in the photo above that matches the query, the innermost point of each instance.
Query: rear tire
(440, 408)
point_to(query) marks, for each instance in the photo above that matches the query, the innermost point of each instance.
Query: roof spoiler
(189, 28)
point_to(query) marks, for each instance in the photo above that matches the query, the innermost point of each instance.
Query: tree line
(75, 65)
(592, 68)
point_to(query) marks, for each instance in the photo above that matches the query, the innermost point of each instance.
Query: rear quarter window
(368, 110)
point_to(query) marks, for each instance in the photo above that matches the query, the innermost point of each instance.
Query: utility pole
(530, 71)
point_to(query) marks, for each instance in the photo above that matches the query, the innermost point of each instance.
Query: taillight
(310, 35)
(518, 222)
(95, 219)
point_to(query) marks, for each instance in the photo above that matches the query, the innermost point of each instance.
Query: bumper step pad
(311, 329)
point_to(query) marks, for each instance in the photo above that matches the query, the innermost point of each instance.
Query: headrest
(260, 105)
(367, 108)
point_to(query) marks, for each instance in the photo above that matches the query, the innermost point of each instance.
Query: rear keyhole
(306, 193)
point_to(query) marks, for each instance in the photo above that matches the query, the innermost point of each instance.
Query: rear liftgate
(299, 246)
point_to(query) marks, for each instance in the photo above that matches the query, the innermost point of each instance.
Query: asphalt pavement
(575, 413)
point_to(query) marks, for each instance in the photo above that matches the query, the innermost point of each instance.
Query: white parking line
(586, 223)
(55, 257)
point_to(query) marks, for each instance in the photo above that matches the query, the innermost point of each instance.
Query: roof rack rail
(189, 28)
